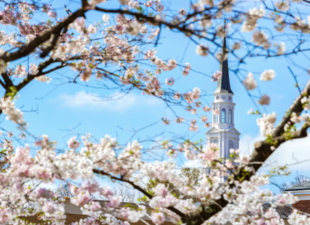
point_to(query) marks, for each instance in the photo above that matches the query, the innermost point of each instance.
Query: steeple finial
(223, 85)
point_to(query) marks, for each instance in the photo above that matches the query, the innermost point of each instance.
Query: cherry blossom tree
(119, 50)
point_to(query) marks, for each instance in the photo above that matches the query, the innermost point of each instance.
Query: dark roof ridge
(300, 187)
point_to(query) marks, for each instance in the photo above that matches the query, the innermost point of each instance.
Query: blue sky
(76, 106)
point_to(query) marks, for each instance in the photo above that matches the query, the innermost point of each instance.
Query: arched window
(216, 116)
(214, 140)
(231, 144)
(230, 116)
(223, 116)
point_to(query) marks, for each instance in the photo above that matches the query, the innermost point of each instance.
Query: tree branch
(7, 80)
(137, 187)
(295, 107)
(100, 172)
(150, 19)
(48, 49)
(45, 36)
(2, 84)
(84, 3)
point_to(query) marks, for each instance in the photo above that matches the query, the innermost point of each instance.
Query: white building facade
(223, 131)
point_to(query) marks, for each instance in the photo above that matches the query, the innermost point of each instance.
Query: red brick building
(302, 191)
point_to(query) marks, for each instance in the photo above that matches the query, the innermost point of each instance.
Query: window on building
(223, 116)
(231, 144)
(230, 116)
(214, 140)
(216, 118)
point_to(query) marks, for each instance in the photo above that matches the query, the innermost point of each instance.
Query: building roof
(284, 211)
(223, 84)
(299, 187)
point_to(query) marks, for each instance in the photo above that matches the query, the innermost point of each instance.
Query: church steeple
(223, 132)
(223, 85)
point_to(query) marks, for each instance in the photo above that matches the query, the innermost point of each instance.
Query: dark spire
(223, 84)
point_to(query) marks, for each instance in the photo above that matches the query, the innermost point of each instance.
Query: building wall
(223, 139)
(302, 205)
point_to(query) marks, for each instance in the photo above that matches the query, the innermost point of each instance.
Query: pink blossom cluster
(193, 125)
(179, 120)
(14, 114)
(305, 101)
(21, 194)
(46, 166)
(165, 121)
(186, 69)
(191, 96)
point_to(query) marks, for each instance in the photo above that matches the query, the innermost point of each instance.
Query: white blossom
(249, 82)
(95, 2)
(283, 5)
(267, 75)
(264, 100)
(202, 50)
(92, 29)
(266, 124)
(9, 109)
(281, 48)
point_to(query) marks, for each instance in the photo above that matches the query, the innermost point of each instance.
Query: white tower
(223, 131)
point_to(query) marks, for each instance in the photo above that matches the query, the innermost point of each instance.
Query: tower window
(230, 116)
(223, 116)
(216, 118)
(229, 98)
(231, 144)
(214, 140)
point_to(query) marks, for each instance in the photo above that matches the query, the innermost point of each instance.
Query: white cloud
(193, 164)
(294, 152)
(116, 102)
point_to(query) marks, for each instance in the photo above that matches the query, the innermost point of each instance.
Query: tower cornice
(223, 103)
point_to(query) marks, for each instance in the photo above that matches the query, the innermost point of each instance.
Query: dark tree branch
(48, 49)
(84, 3)
(45, 36)
(2, 84)
(295, 78)
(7, 80)
(137, 187)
